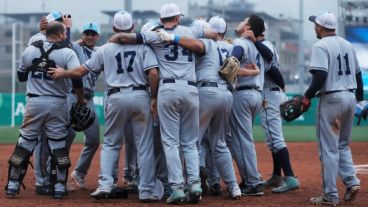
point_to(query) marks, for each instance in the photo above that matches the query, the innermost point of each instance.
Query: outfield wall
(20, 103)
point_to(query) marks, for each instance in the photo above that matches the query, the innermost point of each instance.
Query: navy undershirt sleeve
(318, 80)
(264, 51)
(238, 52)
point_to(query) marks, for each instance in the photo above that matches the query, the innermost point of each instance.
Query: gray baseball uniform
(272, 96)
(247, 103)
(128, 101)
(41, 152)
(40, 114)
(92, 134)
(214, 115)
(178, 104)
(335, 113)
(213, 176)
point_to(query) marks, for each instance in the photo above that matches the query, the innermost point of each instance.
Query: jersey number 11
(346, 58)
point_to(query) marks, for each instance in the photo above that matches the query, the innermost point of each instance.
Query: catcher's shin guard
(60, 160)
(18, 165)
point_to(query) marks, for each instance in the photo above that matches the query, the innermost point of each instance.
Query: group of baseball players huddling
(182, 124)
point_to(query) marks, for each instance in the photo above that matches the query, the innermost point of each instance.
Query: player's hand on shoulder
(165, 36)
(56, 73)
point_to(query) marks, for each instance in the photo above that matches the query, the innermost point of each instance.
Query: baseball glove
(361, 111)
(81, 117)
(293, 108)
(229, 70)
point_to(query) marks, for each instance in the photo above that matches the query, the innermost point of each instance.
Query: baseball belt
(117, 90)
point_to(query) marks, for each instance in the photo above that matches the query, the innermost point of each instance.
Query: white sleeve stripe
(150, 67)
(87, 67)
(318, 68)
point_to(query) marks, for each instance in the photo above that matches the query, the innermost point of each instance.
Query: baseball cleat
(203, 176)
(324, 200)
(119, 193)
(177, 197)
(149, 199)
(235, 193)
(59, 194)
(44, 190)
(215, 190)
(273, 182)
(99, 194)
(79, 180)
(194, 193)
(11, 193)
(351, 193)
(289, 183)
(250, 191)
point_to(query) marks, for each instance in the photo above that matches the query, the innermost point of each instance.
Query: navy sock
(283, 159)
(276, 165)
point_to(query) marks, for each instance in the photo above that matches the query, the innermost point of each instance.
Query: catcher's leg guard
(60, 160)
(18, 164)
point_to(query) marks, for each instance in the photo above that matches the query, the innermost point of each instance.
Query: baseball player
(178, 104)
(214, 115)
(128, 70)
(210, 173)
(247, 103)
(40, 114)
(41, 153)
(84, 51)
(161, 168)
(335, 76)
(273, 95)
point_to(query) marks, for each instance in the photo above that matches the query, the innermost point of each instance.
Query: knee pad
(61, 158)
(19, 157)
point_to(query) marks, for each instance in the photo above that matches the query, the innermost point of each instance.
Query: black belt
(212, 84)
(242, 88)
(116, 90)
(173, 81)
(87, 95)
(31, 95)
(275, 89)
(329, 92)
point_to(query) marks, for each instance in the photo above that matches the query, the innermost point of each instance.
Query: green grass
(9, 135)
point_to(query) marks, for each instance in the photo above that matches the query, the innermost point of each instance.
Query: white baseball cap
(54, 16)
(123, 20)
(326, 20)
(201, 24)
(218, 24)
(170, 10)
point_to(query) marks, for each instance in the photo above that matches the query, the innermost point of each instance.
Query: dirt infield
(304, 159)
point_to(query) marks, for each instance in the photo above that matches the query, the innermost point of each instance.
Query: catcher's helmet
(81, 117)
